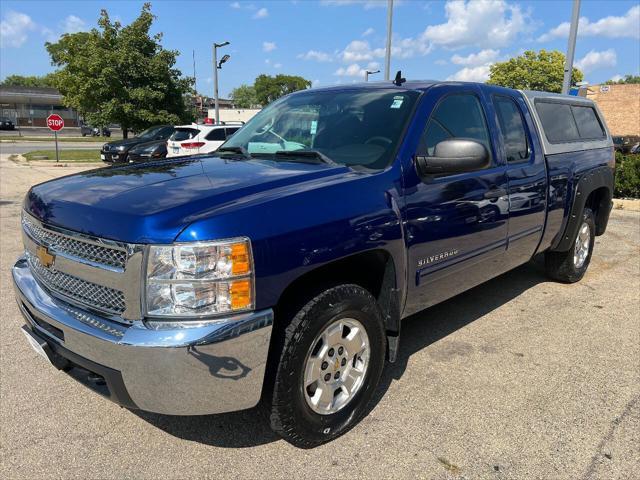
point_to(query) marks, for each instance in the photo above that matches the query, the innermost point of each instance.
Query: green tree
(543, 70)
(270, 88)
(32, 81)
(244, 96)
(626, 79)
(121, 74)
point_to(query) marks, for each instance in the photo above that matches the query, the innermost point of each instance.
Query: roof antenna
(399, 80)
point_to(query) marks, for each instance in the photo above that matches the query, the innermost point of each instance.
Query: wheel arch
(375, 270)
(594, 190)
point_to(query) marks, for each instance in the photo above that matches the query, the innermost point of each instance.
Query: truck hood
(154, 202)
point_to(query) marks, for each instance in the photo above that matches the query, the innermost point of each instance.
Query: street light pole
(571, 47)
(215, 78)
(367, 73)
(387, 63)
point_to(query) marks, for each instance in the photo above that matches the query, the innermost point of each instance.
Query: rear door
(213, 140)
(526, 176)
(456, 224)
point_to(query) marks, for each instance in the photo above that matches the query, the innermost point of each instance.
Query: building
(29, 107)
(234, 114)
(203, 104)
(620, 105)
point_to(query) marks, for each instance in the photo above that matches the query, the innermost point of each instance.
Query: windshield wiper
(306, 154)
(239, 150)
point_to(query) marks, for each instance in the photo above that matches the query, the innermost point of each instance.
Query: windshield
(354, 128)
(149, 132)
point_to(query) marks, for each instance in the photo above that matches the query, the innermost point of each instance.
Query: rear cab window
(512, 127)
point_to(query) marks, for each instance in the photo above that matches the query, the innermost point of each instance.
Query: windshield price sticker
(314, 127)
(397, 102)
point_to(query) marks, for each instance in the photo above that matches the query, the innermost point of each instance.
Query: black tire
(560, 266)
(289, 413)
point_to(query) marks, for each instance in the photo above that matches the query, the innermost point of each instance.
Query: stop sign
(55, 122)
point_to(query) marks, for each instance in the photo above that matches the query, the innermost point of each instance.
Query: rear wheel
(570, 266)
(329, 368)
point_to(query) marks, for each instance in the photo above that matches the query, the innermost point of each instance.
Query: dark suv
(118, 151)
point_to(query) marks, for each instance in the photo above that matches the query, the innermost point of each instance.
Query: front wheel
(329, 368)
(570, 266)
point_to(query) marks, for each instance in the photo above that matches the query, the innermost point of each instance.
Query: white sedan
(197, 139)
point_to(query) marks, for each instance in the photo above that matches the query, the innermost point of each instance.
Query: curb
(629, 204)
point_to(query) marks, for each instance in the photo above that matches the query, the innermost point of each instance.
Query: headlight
(199, 279)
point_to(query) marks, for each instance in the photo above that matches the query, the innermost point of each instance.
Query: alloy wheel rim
(336, 366)
(581, 249)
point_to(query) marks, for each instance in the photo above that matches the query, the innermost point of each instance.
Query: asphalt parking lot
(518, 378)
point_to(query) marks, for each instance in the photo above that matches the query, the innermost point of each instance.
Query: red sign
(55, 122)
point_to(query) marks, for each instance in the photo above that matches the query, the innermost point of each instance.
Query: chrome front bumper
(212, 368)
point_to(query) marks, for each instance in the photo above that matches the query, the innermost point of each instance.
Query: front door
(456, 225)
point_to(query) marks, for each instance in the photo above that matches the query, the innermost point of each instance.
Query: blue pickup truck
(278, 270)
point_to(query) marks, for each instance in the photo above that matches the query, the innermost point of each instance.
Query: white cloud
(316, 82)
(316, 55)
(262, 13)
(15, 28)
(471, 74)
(269, 46)
(355, 70)
(361, 50)
(484, 24)
(277, 65)
(627, 25)
(617, 78)
(596, 60)
(474, 59)
(235, 5)
(73, 24)
(368, 32)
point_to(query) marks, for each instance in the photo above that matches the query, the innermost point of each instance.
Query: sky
(334, 41)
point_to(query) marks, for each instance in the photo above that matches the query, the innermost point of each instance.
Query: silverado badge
(46, 258)
(437, 257)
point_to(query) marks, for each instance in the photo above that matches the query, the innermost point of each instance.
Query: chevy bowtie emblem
(46, 258)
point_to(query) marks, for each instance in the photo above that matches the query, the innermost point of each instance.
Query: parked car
(280, 268)
(118, 151)
(6, 123)
(622, 144)
(94, 131)
(197, 139)
(635, 148)
(148, 151)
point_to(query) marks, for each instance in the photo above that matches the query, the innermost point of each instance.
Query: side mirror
(455, 155)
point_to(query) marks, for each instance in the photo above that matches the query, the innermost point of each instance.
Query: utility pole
(216, 67)
(571, 47)
(194, 72)
(367, 73)
(387, 63)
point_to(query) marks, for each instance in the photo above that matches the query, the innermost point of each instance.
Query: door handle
(495, 193)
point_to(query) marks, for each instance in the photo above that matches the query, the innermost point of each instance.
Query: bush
(627, 176)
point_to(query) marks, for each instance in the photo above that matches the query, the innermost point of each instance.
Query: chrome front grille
(88, 293)
(64, 244)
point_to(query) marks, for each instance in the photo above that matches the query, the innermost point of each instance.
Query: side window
(512, 127)
(557, 122)
(589, 126)
(231, 131)
(216, 135)
(458, 115)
